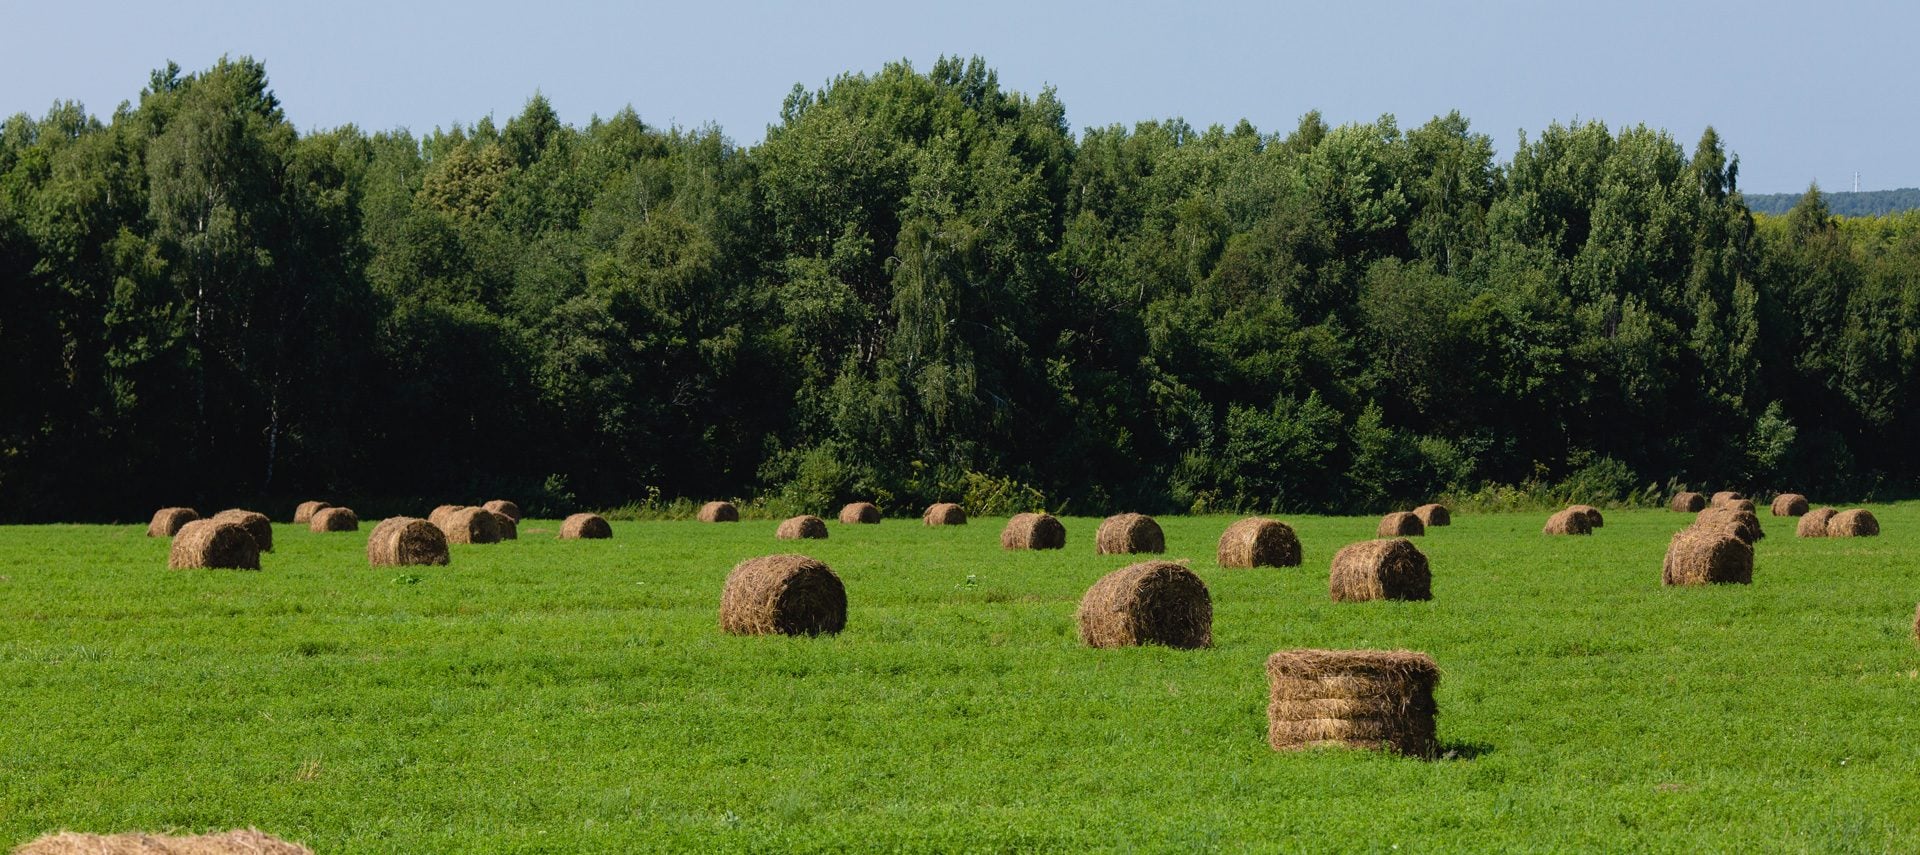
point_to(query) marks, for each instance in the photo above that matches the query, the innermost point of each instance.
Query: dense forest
(1866, 203)
(920, 286)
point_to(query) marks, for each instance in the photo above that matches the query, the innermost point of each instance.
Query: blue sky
(1800, 91)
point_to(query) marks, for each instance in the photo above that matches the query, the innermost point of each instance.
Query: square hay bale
(1033, 531)
(783, 595)
(1370, 699)
(1387, 569)
(1152, 602)
(1129, 534)
(1259, 542)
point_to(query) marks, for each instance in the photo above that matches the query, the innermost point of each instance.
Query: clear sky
(1800, 91)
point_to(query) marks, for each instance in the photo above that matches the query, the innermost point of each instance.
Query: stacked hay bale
(248, 841)
(1400, 524)
(1789, 505)
(1033, 531)
(256, 524)
(585, 527)
(1260, 542)
(1153, 602)
(1721, 498)
(1568, 521)
(1853, 523)
(1129, 534)
(303, 513)
(803, 527)
(860, 513)
(213, 544)
(1814, 523)
(1390, 569)
(503, 506)
(719, 512)
(406, 541)
(167, 522)
(1742, 524)
(1688, 503)
(1594, 519)
(1433, 515)
(785, 595)
(944, 513)
(1707, 555)
(334, 519)
(1373, 699)
(469, 525)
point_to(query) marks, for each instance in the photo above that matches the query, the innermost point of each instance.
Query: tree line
(919, 287)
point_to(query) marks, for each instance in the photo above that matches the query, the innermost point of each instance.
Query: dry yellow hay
(1742, 524)
(503, 506)
(1400, 524)
(1688, 503)
(1129, 534)
(944, 513)
(406, 541)
(256, 524)
(1260, 542)
(334, 519)
(585, 527)
(470, 525)
(440, 513)
(1723, 497)
(303, 513)
(248, 841)
(1033, 531)
(718, 512)
(1433, 515)
(1814, 523)
(785, 595)
(167, 521)
(803, 527)
(1568, 521)
(1789, 505)
(508, 527)
(860, 513)
(1738, 505)
(1853, 523)
(1707, 556)
(1153, 602)
(213, 544)
(1391, 569)
(1373, 699)
(1594, 519)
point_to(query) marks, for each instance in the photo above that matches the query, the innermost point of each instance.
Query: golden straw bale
(1707, 556)
(860, 513)
(1372, 699)
(303, 513)
(803, 527)
(1129, 534)
(213, 544)
(1594, 519)
(719, 512)
(167, 521)
(508, 527)
(1814, 523)
(1789, 505)
(1723, 497)
(1153, 602)
(334, 519)
(1742, 524)
(785, 595)
(585, 527)
(1568, 521)
(1033, 531)
(1688, 503)
(1260, 542)
(1388, 569)
(1433, 515)
(944, 513)
(470, 525)
(256, 524)
(503, 506)
(1853, 523)
(406, 541)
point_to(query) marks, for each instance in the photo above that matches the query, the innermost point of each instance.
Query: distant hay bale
(1853, 523)
(503, 506)
(334, 519)
(213, 544)
(944, 513)
(1724, 496)
(1153, 602)
(509, 528)
(803, 527)
(719, 512)
(167, 521)
(256, 524)
(1594, 519)
(1033, 531)
(1742, 524)
(784, 595)
(405, 542)
(1260, 542)
(1372, 699)
(1400, 524)
(248, 841)
(585, 527)
(1707, 556)
(303, 513)
(1129, 534)
(1814, 523)
(860, 513)
(1789, 505)
(1739, 505)
(1433, 515)
(470, 525)
(1568, 521)
(1688, 503)
(1390, 569)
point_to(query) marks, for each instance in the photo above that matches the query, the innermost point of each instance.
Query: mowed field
(546, 695)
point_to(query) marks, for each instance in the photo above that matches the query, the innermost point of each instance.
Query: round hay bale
(470, 525)
(1153, 602)
(1814, 523)
(1391, 569)
(509, 529)
(1721, 498)
(440, 513)
(1789, 505)
(1372, 699)
(406, 541)
(256, 524)
(1739, 505)
(334, 519)
(248, 841)
(168, 521)
(718, 512)
(1594, 519)
(1568, 521)
(1707, 556)
(944, 513)
(803, 527)
(860, 513)
(1688, 503)
(503, 506)
(785, 595)
(213, 544)
(1742, 524)
(1853, 523)
(1260, 542)
(1400, 524)
(1033, 531)
(303, 513)
(1433, 515)
(1129, 534)
(585, 527)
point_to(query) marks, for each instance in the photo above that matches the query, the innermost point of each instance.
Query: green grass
(577, 696)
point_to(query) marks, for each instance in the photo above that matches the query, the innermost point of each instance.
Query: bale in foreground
(1260, 542)
(1153, 602)
(585, 527)
(860, 513)
(718, 512)
(503, 506)
(1853, 523)
(1707, 556)
(784, 595)
(1688, 503)
(469, 525)
(213, 544)
(1433, 515)
(1400, 524)
(404, 542)
(1568, 521)
(334, 519)
(1373, 699)
(303, 512)
(1390, 569)
(256, 524)
(944, 513)
(1594, 519)
(248, 841)
(1789, 505)
(168, 521)
(1814, 523)
(1129, 534)
(803, 527)
(1033, 531)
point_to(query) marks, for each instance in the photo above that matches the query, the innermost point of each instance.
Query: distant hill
(1866, 203)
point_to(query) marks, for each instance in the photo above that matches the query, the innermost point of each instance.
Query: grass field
(543, 695)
